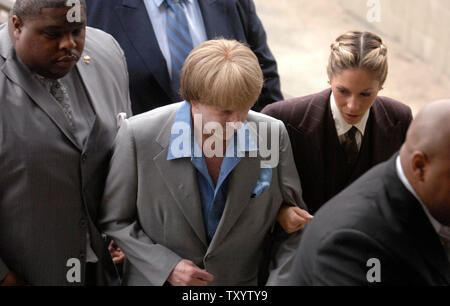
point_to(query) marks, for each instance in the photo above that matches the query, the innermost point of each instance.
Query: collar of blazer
(18, 73)
(313, 121)
(405, 208)
(319, 104)
(185, 190)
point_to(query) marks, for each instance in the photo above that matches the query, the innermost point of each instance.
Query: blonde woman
(343, 131)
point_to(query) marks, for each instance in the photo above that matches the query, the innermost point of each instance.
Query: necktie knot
(352, 132)
(173, 3)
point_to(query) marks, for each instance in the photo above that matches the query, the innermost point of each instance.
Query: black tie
(350, 146)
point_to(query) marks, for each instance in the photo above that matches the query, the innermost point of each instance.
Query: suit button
(82, 256)
(83, 157)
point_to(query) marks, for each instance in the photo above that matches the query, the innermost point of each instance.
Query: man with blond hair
(193, 188)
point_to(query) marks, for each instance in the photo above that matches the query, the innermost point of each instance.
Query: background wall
(417, 33)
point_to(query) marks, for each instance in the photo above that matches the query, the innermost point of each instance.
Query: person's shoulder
(103, 45)
(394, 108)
(156, 115)
(97, 37)
(293, 110)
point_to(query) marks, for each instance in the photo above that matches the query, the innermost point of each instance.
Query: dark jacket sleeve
(359, 260)
(257, 40)
(3, 270)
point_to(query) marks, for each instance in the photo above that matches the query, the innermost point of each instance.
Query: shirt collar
(342, 127)
(158, 3)
(183, 144)
(401, 174)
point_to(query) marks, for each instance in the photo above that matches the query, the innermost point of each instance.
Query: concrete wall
(421, 26)
(4, 5)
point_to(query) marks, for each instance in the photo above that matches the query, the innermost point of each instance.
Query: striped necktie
(179, 38)
(59, 92)
(351, 146)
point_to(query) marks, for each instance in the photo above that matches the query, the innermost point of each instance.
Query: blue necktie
(179, 38)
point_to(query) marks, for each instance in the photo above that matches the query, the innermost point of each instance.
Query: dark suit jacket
(50, 186)
(129, 23)
(376, 217)
(319, 157)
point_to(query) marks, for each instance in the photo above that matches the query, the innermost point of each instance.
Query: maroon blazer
(320, 158)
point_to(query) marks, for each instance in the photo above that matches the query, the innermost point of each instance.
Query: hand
(11, 279)
(186, 273)
(116, 253)
(292, 218)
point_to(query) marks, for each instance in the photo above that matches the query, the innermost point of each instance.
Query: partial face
(213, 114)
(435, 189)
(354, 90)
(48, 43)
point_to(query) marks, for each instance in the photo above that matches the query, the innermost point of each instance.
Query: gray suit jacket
(152, 207)
(50, 187)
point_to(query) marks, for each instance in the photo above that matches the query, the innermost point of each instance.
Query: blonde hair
(359, 50)
(222, 73)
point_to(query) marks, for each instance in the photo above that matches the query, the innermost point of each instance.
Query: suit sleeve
(286, 245)
(118, 214)
(346, 258)
(257, 40)
(4, 270)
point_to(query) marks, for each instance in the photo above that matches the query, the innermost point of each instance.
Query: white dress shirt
(342, 127)
(442, 231)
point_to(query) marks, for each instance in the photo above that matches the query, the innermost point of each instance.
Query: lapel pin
(87, 59)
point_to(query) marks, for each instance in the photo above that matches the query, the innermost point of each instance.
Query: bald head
(425, 158)
(430, 130)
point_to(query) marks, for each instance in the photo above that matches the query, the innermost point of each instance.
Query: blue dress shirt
(183, 145)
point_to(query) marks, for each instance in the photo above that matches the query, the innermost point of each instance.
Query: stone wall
(421, 26)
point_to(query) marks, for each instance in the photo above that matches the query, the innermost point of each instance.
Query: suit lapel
(18, 73)
(314, 128)
(137, 25)
(180, 178)
(241, 184)
(382, 131)
(215, 17)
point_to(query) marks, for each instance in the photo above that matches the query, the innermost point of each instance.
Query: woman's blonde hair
(359, 50)
(222, 73)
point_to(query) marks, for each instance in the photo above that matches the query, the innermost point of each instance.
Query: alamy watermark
(374, 13)
(252, 139)
(74, 14)
(73, 274)
(374, 273)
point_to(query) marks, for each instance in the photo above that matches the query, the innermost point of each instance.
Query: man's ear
(418, 165)
(16, 25)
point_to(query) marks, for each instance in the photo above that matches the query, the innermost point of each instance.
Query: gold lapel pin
(87, 59)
